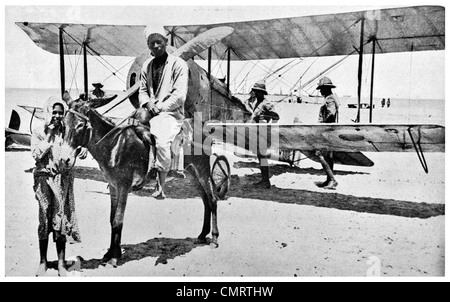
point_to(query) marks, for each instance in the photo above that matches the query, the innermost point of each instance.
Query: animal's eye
(79, 125)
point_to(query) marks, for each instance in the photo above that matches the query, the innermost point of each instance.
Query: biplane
(405, 29)
(12, 134)
(222, 116)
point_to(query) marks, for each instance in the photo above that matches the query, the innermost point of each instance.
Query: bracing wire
(132, 60)
(97, 56)
(74, 71)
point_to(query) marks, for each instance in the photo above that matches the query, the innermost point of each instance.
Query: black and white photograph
(228, 141)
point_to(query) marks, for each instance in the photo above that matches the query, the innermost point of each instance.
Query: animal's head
(77, 133)
(77, 125)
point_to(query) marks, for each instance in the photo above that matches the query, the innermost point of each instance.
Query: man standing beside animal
(262, 112)
(328, 114)
(163, 90)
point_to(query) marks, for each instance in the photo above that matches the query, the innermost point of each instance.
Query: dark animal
(123, 160)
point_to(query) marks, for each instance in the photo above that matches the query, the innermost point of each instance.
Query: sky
(404, 75)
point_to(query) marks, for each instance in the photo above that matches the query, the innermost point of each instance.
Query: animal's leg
(210, 202)
(117, 222)
(113, 198)
(118, 203)
(206, 217)
(195, 177)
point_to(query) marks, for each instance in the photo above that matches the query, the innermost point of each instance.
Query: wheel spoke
(221, 168)
(222, 182)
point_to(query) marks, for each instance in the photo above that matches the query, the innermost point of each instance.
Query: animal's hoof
(112, 263)
(214, 245)
(106, 257)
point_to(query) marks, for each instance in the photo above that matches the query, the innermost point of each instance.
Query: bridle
(87, 132)
(87, 127)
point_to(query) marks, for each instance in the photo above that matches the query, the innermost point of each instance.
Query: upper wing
(331, 137)
(110, 40)
(395, 30)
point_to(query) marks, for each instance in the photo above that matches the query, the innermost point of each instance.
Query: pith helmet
(95, 84)
(261, 86)
(325, 81)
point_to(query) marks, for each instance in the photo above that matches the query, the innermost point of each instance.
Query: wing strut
(61, 61)
(228, 69)
(371, 80)
(31, 120)
(86, 85)
(210, 81)
(418, 149)
(360, 63)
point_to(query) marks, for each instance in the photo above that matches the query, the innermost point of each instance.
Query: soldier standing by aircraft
(163, 90)
(262, 112)
(328, 114)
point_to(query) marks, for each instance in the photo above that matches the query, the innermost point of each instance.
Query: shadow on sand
(161, 248)
(280, 169)
(241, 188)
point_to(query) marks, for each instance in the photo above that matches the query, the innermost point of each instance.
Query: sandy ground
(386, 220)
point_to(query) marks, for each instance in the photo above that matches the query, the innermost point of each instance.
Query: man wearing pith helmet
(262, 112)
(98, 92)
(163, 90)
(328, 114)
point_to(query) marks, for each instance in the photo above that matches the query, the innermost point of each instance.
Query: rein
(84, 117)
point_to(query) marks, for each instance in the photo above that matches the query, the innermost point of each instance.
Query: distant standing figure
(388, 103)
(262, 112)
(53, 189)
(328, 114)
(383, 102)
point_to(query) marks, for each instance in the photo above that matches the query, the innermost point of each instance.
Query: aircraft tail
(14, 121)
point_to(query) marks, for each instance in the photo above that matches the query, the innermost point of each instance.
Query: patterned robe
(53, 190)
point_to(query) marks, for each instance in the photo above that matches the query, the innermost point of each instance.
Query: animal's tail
(205, 182)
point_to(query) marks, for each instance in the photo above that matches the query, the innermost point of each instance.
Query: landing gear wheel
(221, 176)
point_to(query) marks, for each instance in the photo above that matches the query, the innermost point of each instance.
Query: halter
(87, 125)
(88, 130)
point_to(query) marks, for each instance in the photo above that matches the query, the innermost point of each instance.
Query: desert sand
(386, 220)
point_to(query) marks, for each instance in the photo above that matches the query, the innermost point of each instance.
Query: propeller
(120, 98)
